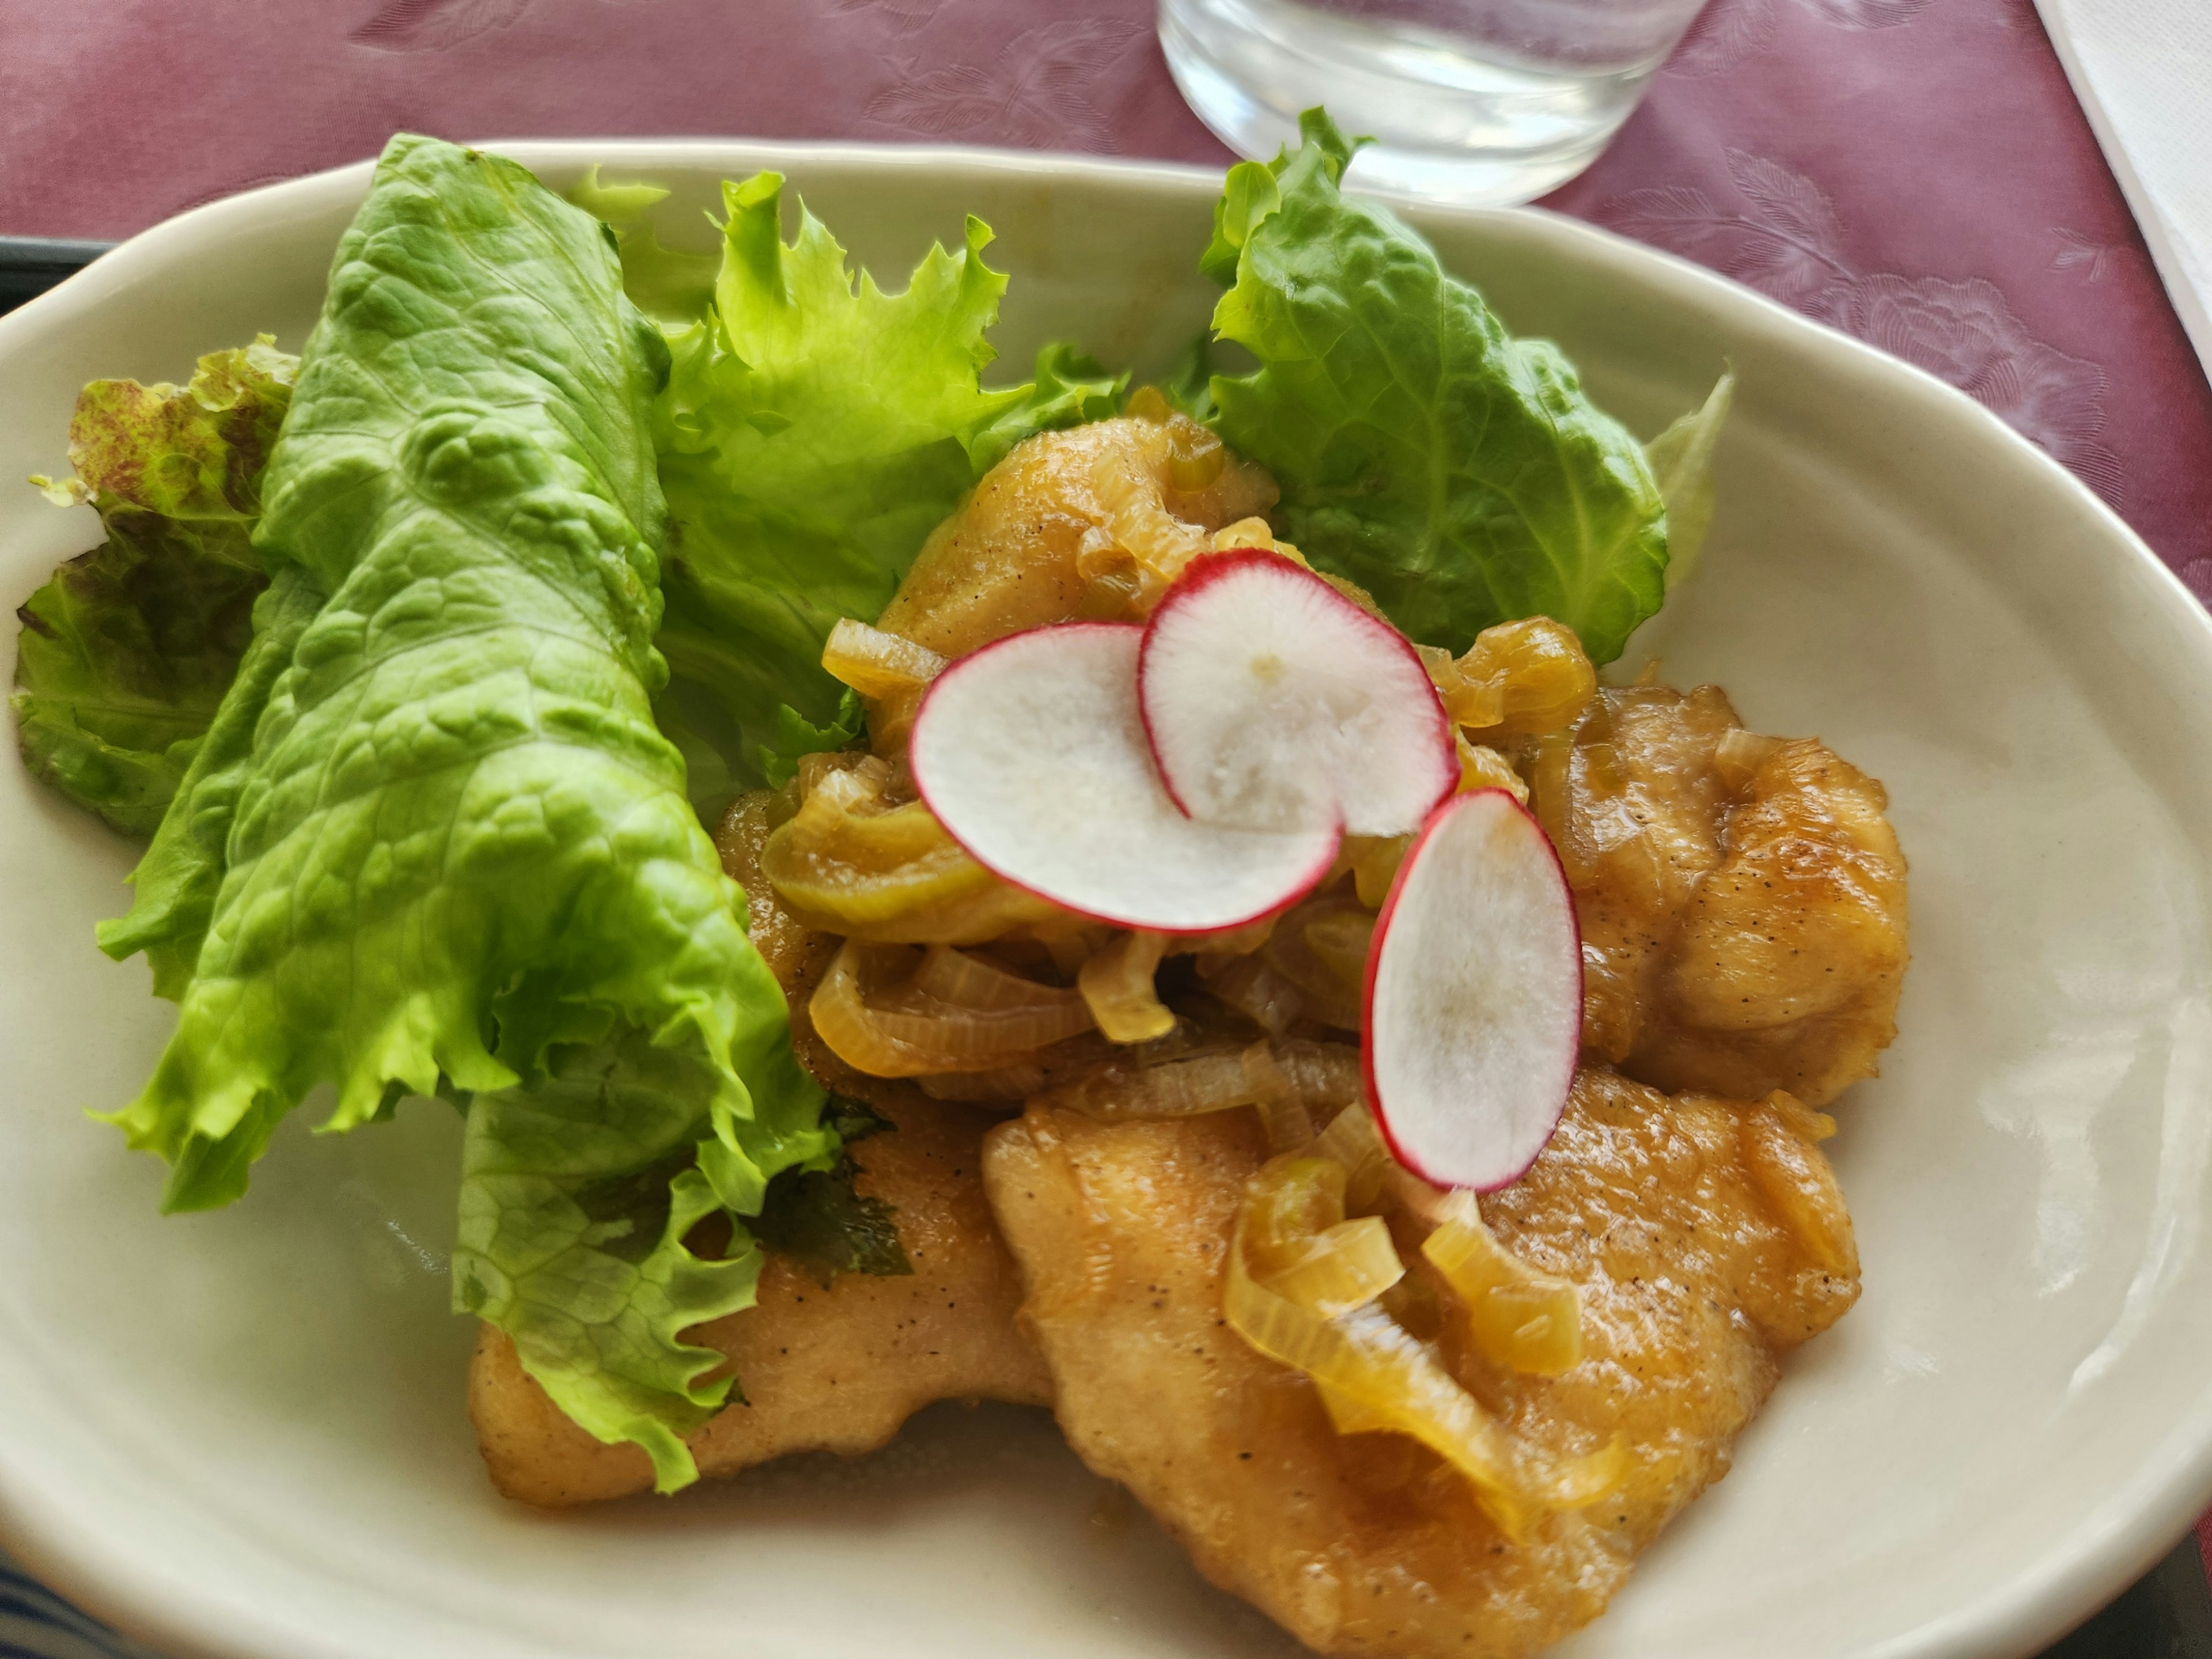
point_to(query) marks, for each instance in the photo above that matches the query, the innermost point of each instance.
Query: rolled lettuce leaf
(434, 843)
(1461, 475)
(177, 880)
(126, 655)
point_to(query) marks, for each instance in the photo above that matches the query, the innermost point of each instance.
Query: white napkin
(2142, 70)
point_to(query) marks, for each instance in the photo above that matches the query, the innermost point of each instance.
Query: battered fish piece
(1036, 543)
(1707, 1239)
(836, 1370)
(1742, 898)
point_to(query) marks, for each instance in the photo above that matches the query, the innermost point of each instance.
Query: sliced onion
(1352, 1142)
(1328, 991)
(961, 1039)
(1520, 1318)
(1481, 767)
(846, 863)
(1325, 1076)
(1741, 753)
(841, 1018)
(1189, 1087)
(1373, 1374)
(1375, 861)
(907, 1032)
(1517, 678)
(966, 980)
(1283, 1114)
(1253, 988)
(1339, 940)
(876, 664)
(1117, 984)
(1137, 519)
(1551, 798)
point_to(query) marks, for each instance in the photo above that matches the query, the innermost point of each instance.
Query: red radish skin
(1030, 753)
(1271, 700)
(1555, 1038)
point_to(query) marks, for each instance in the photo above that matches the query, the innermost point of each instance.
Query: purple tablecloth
(1916, 171)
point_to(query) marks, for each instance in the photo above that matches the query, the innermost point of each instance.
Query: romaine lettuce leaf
(434, 842)
(814, 431)
(458, 837)
(1459, 475)
(176, 883)
(126, 655)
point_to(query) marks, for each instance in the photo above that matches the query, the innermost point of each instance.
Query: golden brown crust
(1008, 559)
(1364, 1545)
(1743, 899)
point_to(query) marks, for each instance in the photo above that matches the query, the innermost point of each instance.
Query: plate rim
(2110, 1545)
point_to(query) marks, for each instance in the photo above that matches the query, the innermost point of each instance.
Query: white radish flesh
(1032, 755)
(1273, 702)
(1474, 998)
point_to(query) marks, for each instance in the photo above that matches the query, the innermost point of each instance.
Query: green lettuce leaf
(580, 1199)
(672, 286)
(1682, 460)
(815, 430)
(126, 655)
(457, 837)
(176, 883)
(433, 841)
(797, 736)
(1459, 475)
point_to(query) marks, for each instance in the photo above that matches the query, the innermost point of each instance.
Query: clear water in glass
(1485, 101)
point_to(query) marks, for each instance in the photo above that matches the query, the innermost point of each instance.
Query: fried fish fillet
(1743, 899)
(1707, 1238)
(837, 1369)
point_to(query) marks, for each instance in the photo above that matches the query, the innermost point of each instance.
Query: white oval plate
(241, 1434)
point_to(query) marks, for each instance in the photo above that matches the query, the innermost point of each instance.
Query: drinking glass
(1483, 101)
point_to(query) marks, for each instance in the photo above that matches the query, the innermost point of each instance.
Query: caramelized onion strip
(908, 1032)
(1375, 1376)
(876, 664)
(1524, 1320)
(1117, 982)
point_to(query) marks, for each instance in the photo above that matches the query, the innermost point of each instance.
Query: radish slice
(1475, 996)
(1272, 703)
(1032, 754)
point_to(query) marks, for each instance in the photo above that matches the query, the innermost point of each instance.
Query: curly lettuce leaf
(672, 286)
(797, 736)
(1460, 476)
(581, 1203)
(815, 430)
(126, 655)
(458, 837)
